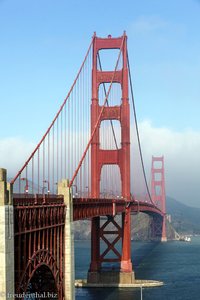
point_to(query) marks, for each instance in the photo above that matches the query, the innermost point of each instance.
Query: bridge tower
(159, 198)
(120, 157)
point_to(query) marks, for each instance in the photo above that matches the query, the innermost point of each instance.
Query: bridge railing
(36, 199)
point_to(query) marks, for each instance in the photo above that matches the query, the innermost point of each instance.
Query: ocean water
(175, 263)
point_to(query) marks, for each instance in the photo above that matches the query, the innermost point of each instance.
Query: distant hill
(185, 219)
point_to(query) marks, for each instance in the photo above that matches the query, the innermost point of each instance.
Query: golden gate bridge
(88, 165)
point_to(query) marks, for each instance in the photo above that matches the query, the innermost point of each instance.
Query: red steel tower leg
(158, 197)
(120, 157)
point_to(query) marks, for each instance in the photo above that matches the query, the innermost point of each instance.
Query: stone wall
(7, 284)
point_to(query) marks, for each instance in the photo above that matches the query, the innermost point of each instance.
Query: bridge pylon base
(163, 239)
(109, 277)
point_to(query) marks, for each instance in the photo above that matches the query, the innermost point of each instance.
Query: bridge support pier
(69, 278)
(7, 283)
(110, 277)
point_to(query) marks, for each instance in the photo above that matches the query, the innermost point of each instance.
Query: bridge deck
(86, 208)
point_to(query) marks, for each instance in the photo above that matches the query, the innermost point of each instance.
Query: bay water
(175, 263)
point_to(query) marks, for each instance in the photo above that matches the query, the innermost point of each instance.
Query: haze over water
(176, 263)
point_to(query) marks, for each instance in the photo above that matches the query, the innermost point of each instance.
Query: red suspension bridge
(93, 142)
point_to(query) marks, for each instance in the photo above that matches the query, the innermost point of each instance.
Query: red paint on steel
(87, 208)
(120, 157)
(35, 224)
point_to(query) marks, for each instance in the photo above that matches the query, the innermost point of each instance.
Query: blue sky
(42, 44)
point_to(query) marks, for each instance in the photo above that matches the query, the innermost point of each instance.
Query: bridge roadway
(86, 208)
